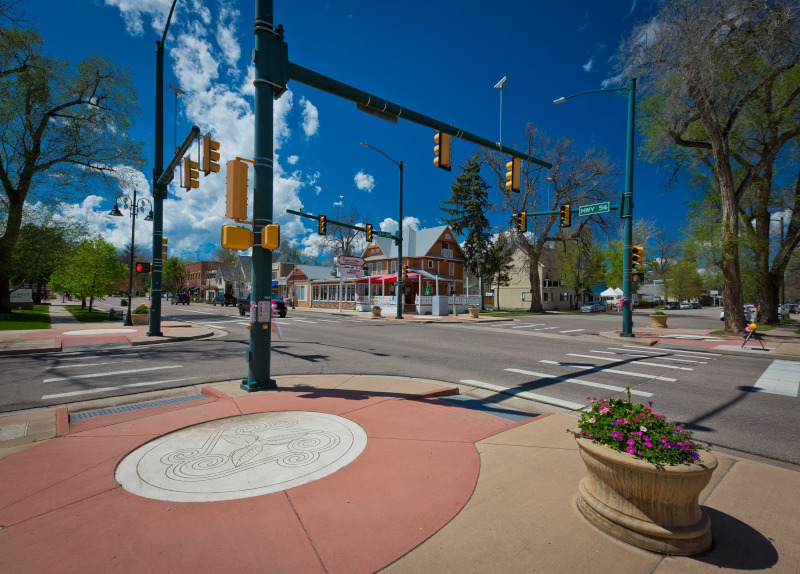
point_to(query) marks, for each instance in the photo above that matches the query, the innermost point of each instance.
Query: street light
(399, 294)
(499, 86)
(626, 205)
(134, 208)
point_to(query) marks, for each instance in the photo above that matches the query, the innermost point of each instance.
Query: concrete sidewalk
(473, 482)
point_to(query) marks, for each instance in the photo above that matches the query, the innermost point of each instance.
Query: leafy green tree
(62, 126)
(45, 240)
(581, 263)
(141, 281)
(90, 271)
(224, 255)
(715, 74)
(466, 208)
(173, 275)
(500, 263)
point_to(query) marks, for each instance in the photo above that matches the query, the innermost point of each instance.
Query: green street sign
(604, 207)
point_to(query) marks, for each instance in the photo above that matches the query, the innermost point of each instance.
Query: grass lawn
(39, 318)
(84, 316)
(567, 310)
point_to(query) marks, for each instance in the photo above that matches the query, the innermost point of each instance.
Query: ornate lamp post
(400, 295)
(134, 208)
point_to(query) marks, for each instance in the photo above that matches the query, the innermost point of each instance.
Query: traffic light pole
(269, 39)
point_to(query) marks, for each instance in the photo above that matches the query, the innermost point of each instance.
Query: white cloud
(585, 22)
(292, 159)
(633, 7)
(389, 225)
(587, 67)
(310, 118)
(338, 203)
(364, 181)
(135, 11)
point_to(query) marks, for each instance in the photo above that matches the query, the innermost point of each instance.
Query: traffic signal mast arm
(169, 173)
(341, 224)
(392, 111)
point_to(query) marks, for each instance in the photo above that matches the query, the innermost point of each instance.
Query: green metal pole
(258, 352)
(159, 191)
(400, 294)
(128, 320)
(627, 203)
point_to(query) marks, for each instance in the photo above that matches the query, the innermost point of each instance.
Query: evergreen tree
(467, 206)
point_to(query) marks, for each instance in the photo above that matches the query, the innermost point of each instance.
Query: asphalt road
(554, 357)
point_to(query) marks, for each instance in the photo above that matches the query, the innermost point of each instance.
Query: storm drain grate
(98, 345)
(477, 405)
(136, 407)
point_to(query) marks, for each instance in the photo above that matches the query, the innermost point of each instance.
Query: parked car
(594, 307)
(696, 306)
(225, 300)
(244, 306)
(672, 305)
(793, 307)
(180, 298)
(686, 305)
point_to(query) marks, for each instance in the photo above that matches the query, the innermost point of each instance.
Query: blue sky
(440, 59)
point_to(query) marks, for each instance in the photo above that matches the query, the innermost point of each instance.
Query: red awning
(390, 278)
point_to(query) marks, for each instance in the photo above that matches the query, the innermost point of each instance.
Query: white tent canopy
(619, 292)
(609, 293)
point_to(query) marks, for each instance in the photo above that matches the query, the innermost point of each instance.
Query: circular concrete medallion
(243, 456)
(99, 332)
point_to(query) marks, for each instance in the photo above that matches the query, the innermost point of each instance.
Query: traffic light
(368, 232)
(210, 159)
(238, 238)
(323, 225)
(512, 174)
(637, 277)
(143, 267)
(271, 236)
(521, 221)
(190, 173)
(236, 190)
(442, 150)
(405, 272)
(637, 257)
(163, 248)
(565, 217)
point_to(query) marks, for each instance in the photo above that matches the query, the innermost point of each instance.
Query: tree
(343, 240)
(467, 207)
(581, 264)
(707, 67)
(576, 178)
(224, 255)
(643, 232)
(90, 271)
(61, 127)
(665, 250)
(500, 263)
(45, 240)
(172, 275)
(140, 281)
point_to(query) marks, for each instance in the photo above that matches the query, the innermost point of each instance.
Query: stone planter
(658, 321)
(641, 504)
(376, 311)
(140, 318)
(474, 312)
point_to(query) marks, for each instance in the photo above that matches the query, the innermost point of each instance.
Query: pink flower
(581, 431)
(631, 442)
(648, 444)
(592, 420)
(643, 429)
(630, 450)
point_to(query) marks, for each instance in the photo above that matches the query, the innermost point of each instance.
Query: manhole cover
(241, 456)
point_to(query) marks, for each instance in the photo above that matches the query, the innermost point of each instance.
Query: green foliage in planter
(658, 313)
(637, 430)
(141, 310)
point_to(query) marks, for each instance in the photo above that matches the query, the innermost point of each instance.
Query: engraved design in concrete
(242, 456)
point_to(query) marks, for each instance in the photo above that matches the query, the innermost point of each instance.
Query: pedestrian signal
(143, 267)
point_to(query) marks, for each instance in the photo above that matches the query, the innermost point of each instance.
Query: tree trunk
(536, 291)
(7, 243)
(732, 288)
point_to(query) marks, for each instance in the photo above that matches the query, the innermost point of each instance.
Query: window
(300, 291)
(445, 245)
(379, 268)
(564, 296)
(394, 267)
(430, 263)
(451, 269)
(370, 269)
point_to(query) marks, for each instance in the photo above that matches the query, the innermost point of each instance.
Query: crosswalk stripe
(303, 321)
(79, 365)
(631, 361)
(659, 357)
(780, 378)
(109, 373)
(523, 394)
(528, 326)
(580, 382)
(680, 353)
(545, 328)
(104, 389)
(572, 331)
(614, 371)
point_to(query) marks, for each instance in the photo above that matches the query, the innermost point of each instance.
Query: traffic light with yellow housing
(210, 159)
(271, 236)
(637, 257)
(237, 238)
(565, 216)
(368, 232)
(442, 150)
(190, 174)
(163, 248)
(322, 229)
(521, 221)
(513, 174)
(236, 190)
(405, 272)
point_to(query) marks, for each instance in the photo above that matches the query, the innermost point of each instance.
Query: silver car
(594, 307)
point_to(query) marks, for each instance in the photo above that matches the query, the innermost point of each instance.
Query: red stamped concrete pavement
(63, 510)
